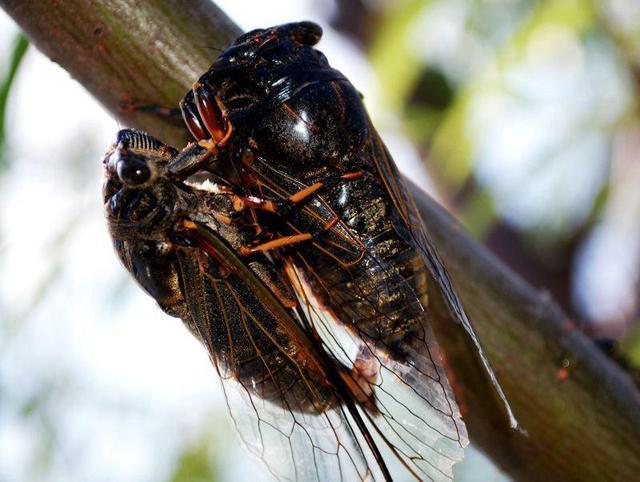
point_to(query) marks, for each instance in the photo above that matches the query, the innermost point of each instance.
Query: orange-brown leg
(287, 240)
(281, 206)
(213, 114)
(276, 243)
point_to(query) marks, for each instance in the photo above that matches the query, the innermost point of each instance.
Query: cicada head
(142, 205)
(252, 76)
(139, 200)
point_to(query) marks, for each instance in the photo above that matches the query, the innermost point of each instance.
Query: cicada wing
(418, 419)
(408, 224)
(297, 446)
(284, 414)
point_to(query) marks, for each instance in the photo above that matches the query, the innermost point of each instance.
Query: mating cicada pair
(286, 242)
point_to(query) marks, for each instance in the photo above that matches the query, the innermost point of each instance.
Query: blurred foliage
(197, 464)
(631, 346)
(391, 53)
(453, 154)
(515, 105)
(19, 49)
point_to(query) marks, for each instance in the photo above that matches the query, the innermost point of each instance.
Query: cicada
(303, 399)
(332, 210)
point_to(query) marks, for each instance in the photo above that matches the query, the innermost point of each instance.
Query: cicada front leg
(159, 110)
(208, 122)
(190, 159)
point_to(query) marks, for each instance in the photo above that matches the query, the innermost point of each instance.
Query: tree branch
(581, 411)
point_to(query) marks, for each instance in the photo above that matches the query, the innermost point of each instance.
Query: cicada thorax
(189, 280)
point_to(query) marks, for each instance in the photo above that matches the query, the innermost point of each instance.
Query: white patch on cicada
(204, 181)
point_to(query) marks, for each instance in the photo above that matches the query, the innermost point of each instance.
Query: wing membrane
(294, 445)
(418, 420)
(412, 229)
(285, 412)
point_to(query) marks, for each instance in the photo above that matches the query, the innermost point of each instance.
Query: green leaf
(196, 465)
(20, 48)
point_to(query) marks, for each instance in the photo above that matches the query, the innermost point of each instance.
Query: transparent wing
(286, 413)
(418, 420)
(411, 227)
(380, 297)
(297, 446)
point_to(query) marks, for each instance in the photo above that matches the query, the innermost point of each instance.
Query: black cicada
(332, 210)
(286, 242)
(308, 412)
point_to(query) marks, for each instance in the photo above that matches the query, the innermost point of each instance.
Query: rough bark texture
(128, 52)
(581, 411)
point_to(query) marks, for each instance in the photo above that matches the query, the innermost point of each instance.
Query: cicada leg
(288, 240)
(189, 159)
(276, 243)
(192, 118)
(212, 115)
(306, 193)
(283, 207)
(159, 110)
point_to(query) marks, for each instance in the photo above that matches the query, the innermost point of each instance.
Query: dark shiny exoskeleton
(273, 106)
(178, 243)
(296, 122)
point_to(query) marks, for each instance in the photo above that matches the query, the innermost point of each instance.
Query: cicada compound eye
(132, 170)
